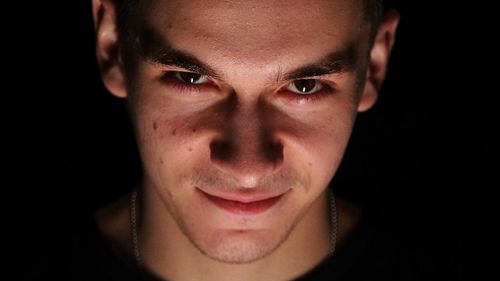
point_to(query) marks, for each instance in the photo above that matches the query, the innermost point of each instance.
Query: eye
(190, 77)
(305, 86)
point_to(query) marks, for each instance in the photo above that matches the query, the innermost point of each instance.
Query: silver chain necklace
(135, 238)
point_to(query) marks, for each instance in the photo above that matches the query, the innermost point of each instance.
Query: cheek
(168, 151)
(320, 145)
(164, 137)
(322, 153)
(171, 141)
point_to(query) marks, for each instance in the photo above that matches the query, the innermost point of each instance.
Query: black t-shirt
(371, 252)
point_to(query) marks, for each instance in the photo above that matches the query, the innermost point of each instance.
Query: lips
(244, 205)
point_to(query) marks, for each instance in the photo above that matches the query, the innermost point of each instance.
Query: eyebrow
(339, 61)
(153, 47)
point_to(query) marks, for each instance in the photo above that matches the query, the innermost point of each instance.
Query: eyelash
(326, 91)
(186, 88)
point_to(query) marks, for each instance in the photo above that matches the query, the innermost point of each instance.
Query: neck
(167, 253)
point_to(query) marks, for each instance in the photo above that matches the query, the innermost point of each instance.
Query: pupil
(190, 77)
(304, 86)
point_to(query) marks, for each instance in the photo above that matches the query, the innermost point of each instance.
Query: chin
(238, 247)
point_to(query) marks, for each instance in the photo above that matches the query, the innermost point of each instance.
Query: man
(242, 112)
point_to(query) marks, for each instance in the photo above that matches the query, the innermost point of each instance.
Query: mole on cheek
(190, 149)
(194, 130)
(161, 161)
(155, 125)
(174, 132)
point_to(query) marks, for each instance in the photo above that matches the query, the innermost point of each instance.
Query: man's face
(240, 153)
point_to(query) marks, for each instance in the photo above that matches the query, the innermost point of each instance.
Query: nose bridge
(247, 150)
(248, 126)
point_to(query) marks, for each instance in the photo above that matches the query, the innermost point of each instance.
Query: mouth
(244, 205)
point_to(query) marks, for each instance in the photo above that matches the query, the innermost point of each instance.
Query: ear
(107, 51)
(379, 59)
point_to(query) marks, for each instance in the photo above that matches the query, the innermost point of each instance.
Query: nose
(247, 148)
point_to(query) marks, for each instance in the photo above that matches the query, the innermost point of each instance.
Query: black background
(422, 158)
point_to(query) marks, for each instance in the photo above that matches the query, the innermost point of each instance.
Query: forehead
(258, 31)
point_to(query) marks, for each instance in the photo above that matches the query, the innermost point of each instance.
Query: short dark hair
(373, 9)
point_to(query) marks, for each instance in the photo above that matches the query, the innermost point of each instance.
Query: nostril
(273, 152)
(221, 150)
